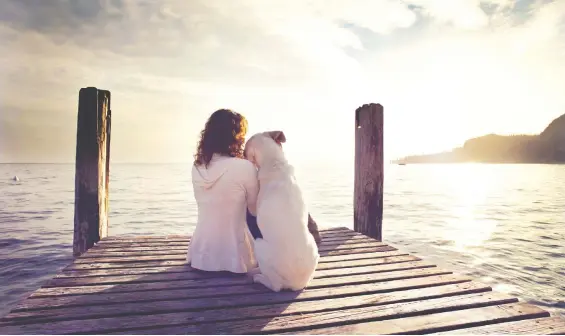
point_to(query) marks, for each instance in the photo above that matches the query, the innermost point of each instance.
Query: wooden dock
(142, 285)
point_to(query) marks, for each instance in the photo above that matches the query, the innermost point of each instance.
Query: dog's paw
(262, 279)
(254, 271)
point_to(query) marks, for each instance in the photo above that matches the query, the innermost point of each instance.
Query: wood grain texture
(97, 264)
(199, 280)
(444, 321)
(369, 171)
(157, 250)
(367, 287)
(80, 273)
(182, 244)
(169, 292)
(296, 308)
(128, 287)
(353, 315)
(91, 194)
(177, 257)
(237, 298)
(543, 326)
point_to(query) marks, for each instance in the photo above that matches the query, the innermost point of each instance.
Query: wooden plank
(184, 243)
(185, 268)
(382, 258)
(138, 238)
(329, 232)
(542, 326)
(96, 264)
(131, 259)
(61, 292)
(357, 256)
(189, 280)
(374, 269)
(298, 323)
(102, 325)
(126, 252)
(169, 257)
(122, 288)
(437, 322)
(239, 299)
(150, 249)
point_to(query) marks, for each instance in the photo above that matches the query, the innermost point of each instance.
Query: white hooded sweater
(223, 192)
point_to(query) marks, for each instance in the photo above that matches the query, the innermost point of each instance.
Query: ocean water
(501, 224)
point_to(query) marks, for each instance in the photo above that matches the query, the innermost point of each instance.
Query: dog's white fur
(287, 254)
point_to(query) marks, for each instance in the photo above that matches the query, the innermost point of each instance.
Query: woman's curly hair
(224, 134)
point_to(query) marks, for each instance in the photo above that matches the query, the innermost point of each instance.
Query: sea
(503, 225)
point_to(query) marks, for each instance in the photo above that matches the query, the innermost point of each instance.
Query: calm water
(501, 224)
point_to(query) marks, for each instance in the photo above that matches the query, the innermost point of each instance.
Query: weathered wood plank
(357, 256)
(138, 238)
(437, 322)
(93, 326)
(543, 326)
(297, 323)
(165, 237)
(190, 281)
(172, 257)
(95, 289)
(171, 293)
(131, 259)
(238, 299)
(143, 246)
(327, 232)
(394, 311)
(185, 268)
(96, 264)
(383, 258)
(374, 269)
(126, 252)
(356, 250)
(172, 249)
(143, 287)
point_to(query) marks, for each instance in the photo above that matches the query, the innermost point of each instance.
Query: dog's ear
(278, 136)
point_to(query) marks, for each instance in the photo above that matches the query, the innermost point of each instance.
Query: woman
(225, 186)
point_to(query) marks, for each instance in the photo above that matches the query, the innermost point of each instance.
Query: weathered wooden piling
(369, 171)
(92, 169)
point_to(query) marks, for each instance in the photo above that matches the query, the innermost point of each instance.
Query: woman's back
(223, 192)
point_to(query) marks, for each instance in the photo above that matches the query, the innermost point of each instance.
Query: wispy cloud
(478, 66)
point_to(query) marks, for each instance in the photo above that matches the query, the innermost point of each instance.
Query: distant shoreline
(548, 147)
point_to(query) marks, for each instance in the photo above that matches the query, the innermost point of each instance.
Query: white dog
(287, 254)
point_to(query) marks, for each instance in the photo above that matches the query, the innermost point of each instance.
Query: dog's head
(262, 146)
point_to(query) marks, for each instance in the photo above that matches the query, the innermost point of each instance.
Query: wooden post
(369, 171)
(92, 169)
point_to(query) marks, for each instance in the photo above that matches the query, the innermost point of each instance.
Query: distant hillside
(547, 147)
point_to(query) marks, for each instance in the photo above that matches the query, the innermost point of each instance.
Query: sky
(444, 70)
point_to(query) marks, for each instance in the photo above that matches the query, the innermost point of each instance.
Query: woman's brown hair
(224, 134)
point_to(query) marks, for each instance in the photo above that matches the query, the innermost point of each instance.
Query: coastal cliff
(546, 147)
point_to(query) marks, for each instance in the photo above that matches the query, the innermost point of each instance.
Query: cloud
(170, 63)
